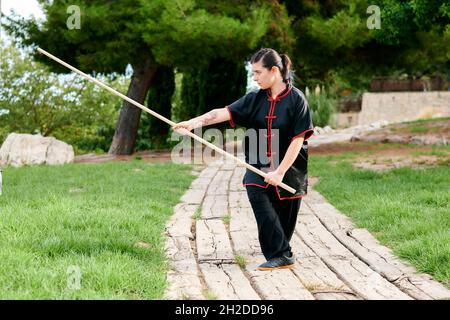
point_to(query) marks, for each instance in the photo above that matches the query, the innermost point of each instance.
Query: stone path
(213, 247)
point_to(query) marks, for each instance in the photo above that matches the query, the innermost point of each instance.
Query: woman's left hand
(274, 178)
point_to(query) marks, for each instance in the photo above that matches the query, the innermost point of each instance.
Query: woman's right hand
(180, 126)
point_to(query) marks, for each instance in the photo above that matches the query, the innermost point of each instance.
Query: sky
(25, 8)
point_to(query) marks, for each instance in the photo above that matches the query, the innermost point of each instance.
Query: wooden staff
(171, 123)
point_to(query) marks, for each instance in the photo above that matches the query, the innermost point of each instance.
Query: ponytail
(287, 65)
(270, 58)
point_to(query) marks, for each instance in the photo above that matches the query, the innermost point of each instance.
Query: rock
(328, 129)
(318, 130)
(375, 139)
(28, 149)
(396, 139)
(427, 140)
(355, 138)
(378, 124)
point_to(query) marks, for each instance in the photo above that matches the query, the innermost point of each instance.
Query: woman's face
(264, 77)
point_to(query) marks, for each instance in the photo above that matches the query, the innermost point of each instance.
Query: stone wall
(403, 106)
(345, 119)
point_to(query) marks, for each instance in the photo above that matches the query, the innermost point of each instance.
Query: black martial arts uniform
(281, 120)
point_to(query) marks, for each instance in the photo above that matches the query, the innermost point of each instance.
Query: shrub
(322, 106)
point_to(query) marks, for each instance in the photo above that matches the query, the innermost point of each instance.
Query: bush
(322, 106)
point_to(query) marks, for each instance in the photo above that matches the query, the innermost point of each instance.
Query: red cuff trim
(231, 117)
(308, 133)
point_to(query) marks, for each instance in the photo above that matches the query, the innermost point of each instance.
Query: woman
(282, 112)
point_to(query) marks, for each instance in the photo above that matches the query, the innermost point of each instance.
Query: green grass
(426, 120)
(405, 209)
(227, 219)
(209, 295)
(91, 217)
(241, 262)
(419, 129)
(420, 126)
(198, 214)
(442, 151)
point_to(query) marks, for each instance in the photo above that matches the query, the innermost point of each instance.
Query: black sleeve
(302, 120)
(241, 109)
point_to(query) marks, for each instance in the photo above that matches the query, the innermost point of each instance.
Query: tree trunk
(160, 100)
(125, 135)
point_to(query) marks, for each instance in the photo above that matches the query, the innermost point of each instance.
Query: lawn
(87, 231)
(405, 209)
(439, 126)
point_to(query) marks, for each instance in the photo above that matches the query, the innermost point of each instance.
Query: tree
(420, 32)
(107, 42)
(222, 80)
(333, 41)
(34, 100)
(144, 34)
(153, 132)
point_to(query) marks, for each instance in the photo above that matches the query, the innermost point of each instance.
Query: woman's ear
(274, 70)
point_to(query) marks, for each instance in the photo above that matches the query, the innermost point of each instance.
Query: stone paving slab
(215, 254)
(215, 206)
(228, 282)
(379, 258)
(212, 241)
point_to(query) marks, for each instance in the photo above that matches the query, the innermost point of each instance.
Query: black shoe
(282, 262)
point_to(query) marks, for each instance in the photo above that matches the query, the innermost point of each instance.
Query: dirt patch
(382, 157)
(423, 132)
(149, 156)
(435, 127)
(163, 156)
(313, 180)
(338, 148)
(385, 163)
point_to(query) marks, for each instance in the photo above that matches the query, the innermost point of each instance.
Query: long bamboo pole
(157, 115)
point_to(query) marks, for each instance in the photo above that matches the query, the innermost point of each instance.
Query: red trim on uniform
(231, 117)
(276, 188)
(303, 133)
(256, 185)
(288, 198)
(270, 117)
(284, 95)
(288, 89)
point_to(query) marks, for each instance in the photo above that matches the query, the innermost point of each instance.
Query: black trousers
(276, 220)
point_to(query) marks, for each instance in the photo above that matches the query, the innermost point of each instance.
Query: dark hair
(270, 58)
